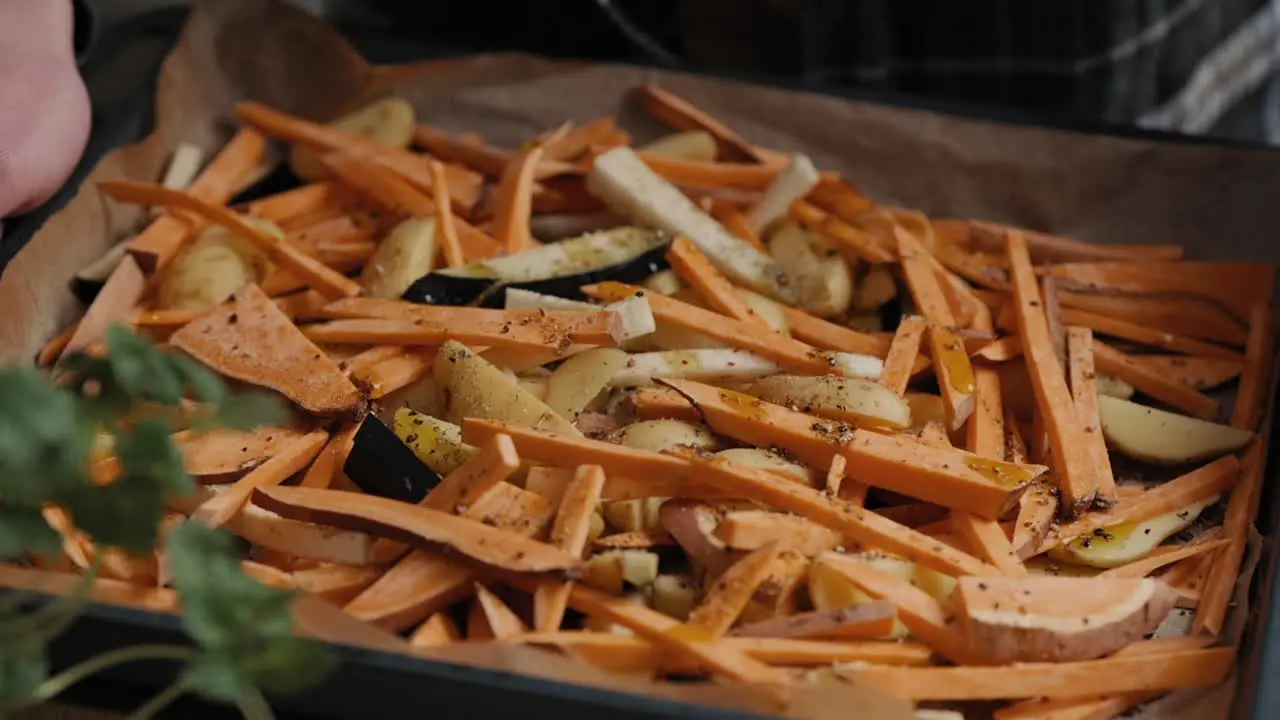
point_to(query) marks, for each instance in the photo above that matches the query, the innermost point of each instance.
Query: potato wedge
(829, 590)
(1114, 387)
(692, 145)
(210, 270)
(1058, 619)
(581, 378)
(609, 570)
(769, 460)
(876, 288)
(389, 121)
(407, 253)
(663, 435)
(673, 595)
(823, 281)
(472, 387)
(631, 515)
(1124, 543)
(1164, 438)
(666, 282)
(437, 443)
(861, 402)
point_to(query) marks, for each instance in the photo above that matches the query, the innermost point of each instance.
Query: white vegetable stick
(637, 318)
(183, 167)
(622, 180)
(705, 365)
(794, 182)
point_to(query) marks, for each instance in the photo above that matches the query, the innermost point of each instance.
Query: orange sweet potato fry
(1074, 469)
(249, 339)
(234, 165)
(312, 271)
(682, 115)
(715, 289)
(292, 458)
(900, 362)
(334, 455)
(1165, 389)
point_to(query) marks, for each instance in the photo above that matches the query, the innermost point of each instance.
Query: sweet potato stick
(217, 510)
(1237, 286)
(856, 241)
(223, 177)
(1200, 373)
(1190, 316)
(1256, 379)
(829, 336)
(476, 155)
(951, 478)
(1073, 465)
(660, 403)
(1199, 484)
(395, 373)
(635, 540)
(492, 463)
(998, 351)
(337, 584)
(899, 364)
(715, 289)
(1167, 390)
(627, 652)
(718, 656)
(923, 615)
(314, 272)
(682, 115)
(1084, 391)
(283, 207)
(544, 447)
(118, 296)
(950, 362)
(450, 247)
(330, 461)
(52, 350)
(1163, 556)
(792, 354)
(986, 438)
(435, 631)
(502, 622)
(735, 222)
(601, 133)
(513, 203)
(570, 530)
(1103, 707)
(418, 585)
(1114, 327)
(503, 549)
(731, 592)
(754, 529)
(852, 522)
(1220, 585)
(379, 184)
(465, 187)
(934, 434)
(368, 358)
(1167, 671)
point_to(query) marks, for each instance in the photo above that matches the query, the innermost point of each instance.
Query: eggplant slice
(382, 465)
(625, 254)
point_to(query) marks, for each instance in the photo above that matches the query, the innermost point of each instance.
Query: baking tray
(120, 69)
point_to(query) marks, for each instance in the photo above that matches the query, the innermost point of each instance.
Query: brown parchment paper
(1219, 202)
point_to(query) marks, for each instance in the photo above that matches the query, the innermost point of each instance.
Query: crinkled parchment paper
(1219, 202)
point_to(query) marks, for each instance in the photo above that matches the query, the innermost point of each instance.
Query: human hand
(44, 106)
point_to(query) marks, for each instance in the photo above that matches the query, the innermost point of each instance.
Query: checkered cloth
(1194, 66)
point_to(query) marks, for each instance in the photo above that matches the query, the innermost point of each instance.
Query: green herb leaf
(218, 676)
(204, 383)
(142, 370)
(290, 664)
(24, 529)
